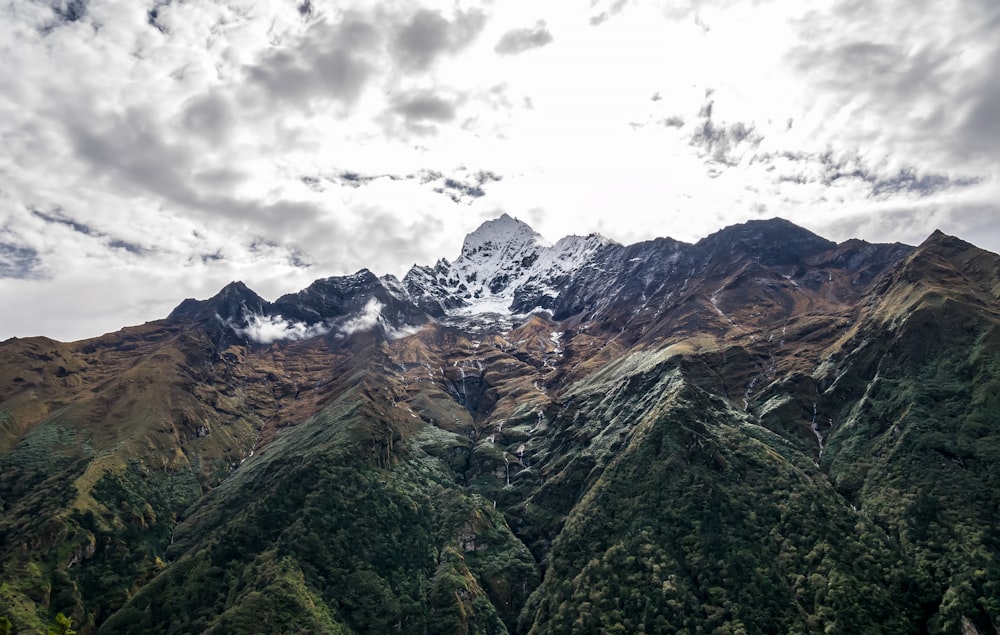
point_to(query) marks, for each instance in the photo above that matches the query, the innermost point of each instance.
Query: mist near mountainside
(761, 432)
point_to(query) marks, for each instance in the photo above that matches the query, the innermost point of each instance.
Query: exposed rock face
(764, 431)
(507, 271)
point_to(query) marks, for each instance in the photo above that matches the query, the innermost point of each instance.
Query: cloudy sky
(154, 150)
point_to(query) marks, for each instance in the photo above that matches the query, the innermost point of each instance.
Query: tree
(63, 626)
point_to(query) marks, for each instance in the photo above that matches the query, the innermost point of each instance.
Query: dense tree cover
(92, 562)
(699, 526)
(332, 541)
(919, 452)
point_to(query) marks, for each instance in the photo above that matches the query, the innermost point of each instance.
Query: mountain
(504, 266)
(761, 432)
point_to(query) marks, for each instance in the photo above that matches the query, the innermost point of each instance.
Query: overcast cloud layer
(157, 150)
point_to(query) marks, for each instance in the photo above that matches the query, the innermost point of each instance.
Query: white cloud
(265, 329)
(404, 331)
(364, 321)
(179, 152)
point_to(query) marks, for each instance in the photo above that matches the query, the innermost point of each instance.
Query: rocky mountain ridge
(507, 270)
(764, 431)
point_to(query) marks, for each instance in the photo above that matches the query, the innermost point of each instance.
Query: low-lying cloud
(364, 321)
(370, 317)
(266, 329)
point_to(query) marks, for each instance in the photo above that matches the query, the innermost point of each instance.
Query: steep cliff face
(764, 431)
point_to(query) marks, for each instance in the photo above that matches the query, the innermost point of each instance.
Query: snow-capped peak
(505, 267)
(503, 233)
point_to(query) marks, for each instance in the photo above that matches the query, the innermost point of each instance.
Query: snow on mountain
(505, 269)
(504, 265)
(501, 236)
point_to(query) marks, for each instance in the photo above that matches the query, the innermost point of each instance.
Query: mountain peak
(773, 241)
(229, 303)
(756, 230)
(499, 232)
(940, 240)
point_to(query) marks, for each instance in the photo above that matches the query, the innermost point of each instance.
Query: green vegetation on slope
(671, 485)
(319, 535)
(918, 450)
(706, 522)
